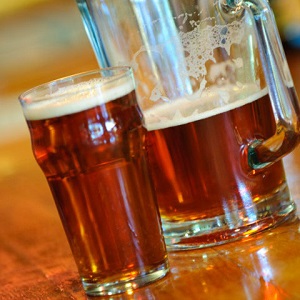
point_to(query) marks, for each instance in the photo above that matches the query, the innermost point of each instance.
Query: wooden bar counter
(36, 261)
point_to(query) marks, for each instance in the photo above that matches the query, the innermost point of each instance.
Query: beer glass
(219, 105)
(88, 139)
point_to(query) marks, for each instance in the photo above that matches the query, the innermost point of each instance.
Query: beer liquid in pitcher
(91, 155)
(197, 164)
(197, 49)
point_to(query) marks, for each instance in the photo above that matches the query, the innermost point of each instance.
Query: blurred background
(41, 40)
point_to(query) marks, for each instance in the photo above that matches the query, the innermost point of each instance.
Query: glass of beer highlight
(219, 105)
(87, 137)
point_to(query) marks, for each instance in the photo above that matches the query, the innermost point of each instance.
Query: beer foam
(181, 55)
(75, 98)
(212, 102)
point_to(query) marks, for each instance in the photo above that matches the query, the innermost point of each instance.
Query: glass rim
(69, 78)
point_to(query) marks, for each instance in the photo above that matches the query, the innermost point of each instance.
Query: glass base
(125, 282)
(231, 226)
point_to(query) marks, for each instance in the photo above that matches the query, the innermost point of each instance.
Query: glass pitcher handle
(262, 153)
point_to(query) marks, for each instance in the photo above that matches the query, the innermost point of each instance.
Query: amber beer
(200, 172)
(92, 154)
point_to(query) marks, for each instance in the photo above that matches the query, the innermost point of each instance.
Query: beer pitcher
(219, 105)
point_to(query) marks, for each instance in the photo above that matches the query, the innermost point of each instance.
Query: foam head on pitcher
(212, 101)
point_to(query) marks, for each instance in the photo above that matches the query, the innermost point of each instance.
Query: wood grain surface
(36, 262)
